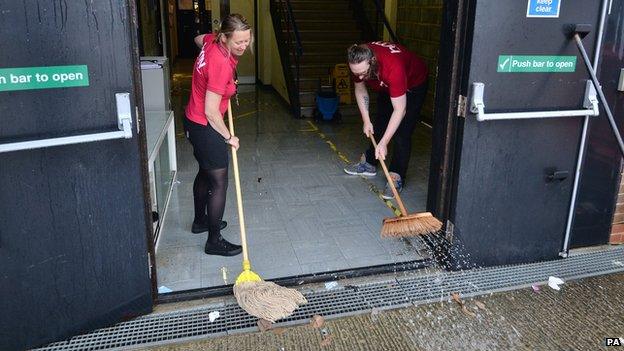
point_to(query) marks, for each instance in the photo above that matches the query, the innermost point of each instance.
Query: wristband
(227, 140)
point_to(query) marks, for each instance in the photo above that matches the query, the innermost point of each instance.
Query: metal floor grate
(176, 326)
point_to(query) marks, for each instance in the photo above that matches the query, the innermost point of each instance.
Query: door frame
(446, 131)
(140, 113)
(451, 93)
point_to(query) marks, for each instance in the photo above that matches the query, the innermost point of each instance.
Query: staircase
(326, 28)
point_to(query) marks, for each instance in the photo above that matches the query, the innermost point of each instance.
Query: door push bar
(477, 106)
(124, 123)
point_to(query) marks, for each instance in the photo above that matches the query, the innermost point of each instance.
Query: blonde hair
(232, 23)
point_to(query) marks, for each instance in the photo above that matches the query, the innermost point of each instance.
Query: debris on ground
(264, 325)
(331, 285)
(535, 287)
(554, 282)
(224, 275)
(456, 298)
(480, 305)
(163, 290)
(213, 315)
(352, 287)
(326, 337)
(374, 312)
(278, 331)
(326, 341)
(317, 321)
(468, 312)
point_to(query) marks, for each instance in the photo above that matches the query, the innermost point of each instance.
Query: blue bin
(327, 104)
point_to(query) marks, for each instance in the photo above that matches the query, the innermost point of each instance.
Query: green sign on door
(28, 78)
(525, 63)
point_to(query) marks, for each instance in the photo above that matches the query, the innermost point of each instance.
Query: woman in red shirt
(400, 79)
(213, 84)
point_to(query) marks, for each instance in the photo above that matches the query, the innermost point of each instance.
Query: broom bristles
(410, 225)
(267, 300)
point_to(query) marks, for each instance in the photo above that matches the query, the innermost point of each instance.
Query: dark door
(514, 177)
(598, 186)
(187, 31)
(188, 28)
(73, 220)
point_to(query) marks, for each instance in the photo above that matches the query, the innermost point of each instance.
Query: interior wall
(269, 62)
(390, 9)
(418, 28)
(246, 63)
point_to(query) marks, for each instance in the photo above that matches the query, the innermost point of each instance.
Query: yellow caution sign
(342, 82)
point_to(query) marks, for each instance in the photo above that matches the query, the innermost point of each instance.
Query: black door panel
(507, 209)
(72, 218)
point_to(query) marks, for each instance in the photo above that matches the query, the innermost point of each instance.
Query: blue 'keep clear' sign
(543, 8)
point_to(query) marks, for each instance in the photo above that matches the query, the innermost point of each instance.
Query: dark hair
(231, 23)
(359, 53)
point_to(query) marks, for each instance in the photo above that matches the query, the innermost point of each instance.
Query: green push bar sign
(526, 64)
(28, 78)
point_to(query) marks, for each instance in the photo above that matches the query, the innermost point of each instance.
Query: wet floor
(303, 214)
(580, 316)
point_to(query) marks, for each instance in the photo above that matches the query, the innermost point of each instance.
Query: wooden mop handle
(390, 181)
(239, 195)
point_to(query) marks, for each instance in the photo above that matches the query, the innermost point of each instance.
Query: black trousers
(402, 140)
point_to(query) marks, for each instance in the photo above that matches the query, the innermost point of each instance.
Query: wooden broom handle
(239, 195)
(390, 181)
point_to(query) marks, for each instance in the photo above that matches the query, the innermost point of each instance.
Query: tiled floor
(302, 212)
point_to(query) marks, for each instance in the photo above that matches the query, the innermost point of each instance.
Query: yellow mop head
(263, 299)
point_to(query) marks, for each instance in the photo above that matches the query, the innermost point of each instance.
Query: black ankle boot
(222, 247)
(203, 227)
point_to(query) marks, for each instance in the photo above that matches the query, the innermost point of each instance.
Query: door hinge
(461, 106)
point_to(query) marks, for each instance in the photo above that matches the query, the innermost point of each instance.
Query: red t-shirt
(399, 69)
(213, 70)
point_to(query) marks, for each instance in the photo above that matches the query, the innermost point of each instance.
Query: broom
(406, 224)
(257, 297)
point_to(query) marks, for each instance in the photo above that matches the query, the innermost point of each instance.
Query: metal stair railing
(286, 31)
(371, 26)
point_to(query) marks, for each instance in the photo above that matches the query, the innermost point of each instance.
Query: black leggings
(209, 192)
(402, 139)
(211, 181)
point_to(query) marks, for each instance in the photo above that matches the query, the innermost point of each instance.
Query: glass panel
(162, 169)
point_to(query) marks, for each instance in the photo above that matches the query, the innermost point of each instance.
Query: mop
(406, 224)
(259, 298)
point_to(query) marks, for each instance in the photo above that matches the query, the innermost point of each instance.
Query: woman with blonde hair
(213, 84)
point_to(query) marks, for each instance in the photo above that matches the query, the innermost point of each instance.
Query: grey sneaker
(361, 168)
(398, 184)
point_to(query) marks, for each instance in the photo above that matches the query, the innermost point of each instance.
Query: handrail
(370, 26)
(386, 23)
(282, 9)
(298, 51)
(291, 18)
